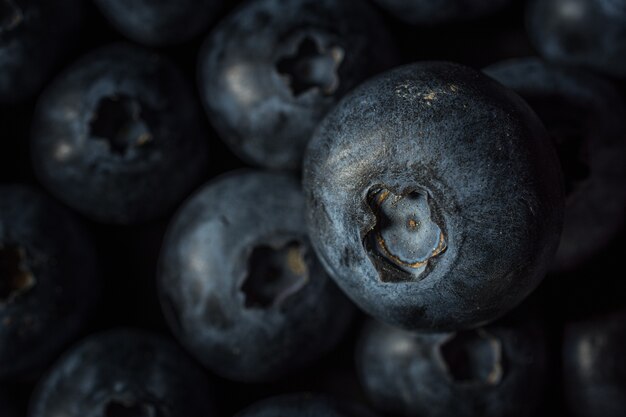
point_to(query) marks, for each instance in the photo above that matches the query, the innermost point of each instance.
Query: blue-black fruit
(434, 197)
(48, 280)
(240, 284)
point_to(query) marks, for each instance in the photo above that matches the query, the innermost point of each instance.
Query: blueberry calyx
(311, 67)
(275, 272)
(115, 408)
(120, 122)
(10, 16)
(15, 276)
(405, 234)
(472, 357)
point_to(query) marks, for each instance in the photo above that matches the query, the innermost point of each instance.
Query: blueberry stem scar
(15, 277)
(10, 15)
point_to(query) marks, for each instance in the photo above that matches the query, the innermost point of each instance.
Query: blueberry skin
(594, 366)
(490, 371)
(586, 33)
(48, 280)
(434, 197)
(35, 37)
(123, 372)
(430, 13)
(114, 128)
(304, 405)
(240, 285)
(160, 22)
(584, 116)
(271, 70)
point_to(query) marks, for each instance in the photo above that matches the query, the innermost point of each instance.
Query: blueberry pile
(312, 208)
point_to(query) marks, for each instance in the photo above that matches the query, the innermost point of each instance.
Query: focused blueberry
(123, 373)
(271, 70)
(584, 116)
(118, 136)
(160, 22)
(48, 281)
(429, 13)
(304, 405)
(35, 38)
(587, 33)
(434, 197)
(594, 366)
(499, 370)
(240, 284)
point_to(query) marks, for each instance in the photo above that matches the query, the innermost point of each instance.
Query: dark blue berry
(124, 373)
(594, 366)
(429, 13)
(490, 371)
(587, 33)
(240, 283)
(434, 197)
(35, 37)
(304, 405)
(48, 283)
(160, 22)
(118, 136)
(271, 70)
(584, 116)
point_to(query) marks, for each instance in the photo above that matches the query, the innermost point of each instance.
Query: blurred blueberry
(271, 70)
(430, 13)
(240, 283)
(48, 282)
(36, 36)
(497, 371)
(594, 366)
(587, 33)
(124, 373)
(304, 405)
(160, 22)
(118, 136)
(584, 116)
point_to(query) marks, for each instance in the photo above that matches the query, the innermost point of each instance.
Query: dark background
(128, 254)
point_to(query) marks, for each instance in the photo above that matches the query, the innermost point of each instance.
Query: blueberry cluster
(312, 208)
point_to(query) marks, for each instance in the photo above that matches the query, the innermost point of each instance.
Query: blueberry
(271, 70)
(48, 282)
(434, 197)
(35, 37)
(304, 405)
(122, 373)
(584, 116)
(160, 22)
(594, 366)
(428, 12)
(498, 370)
(588, 33)
(240, 284)
(118, 136)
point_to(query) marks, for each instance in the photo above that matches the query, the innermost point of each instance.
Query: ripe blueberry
(240, 283)
(160, 22)
(35, 37)
(428, 12)
(270, 71)
(118, 136)
(594, 369)
(434, 197)
(584, 116)
(48, 283)
(490, 371)
(121, 373)
(304, 405)
(587, 33)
